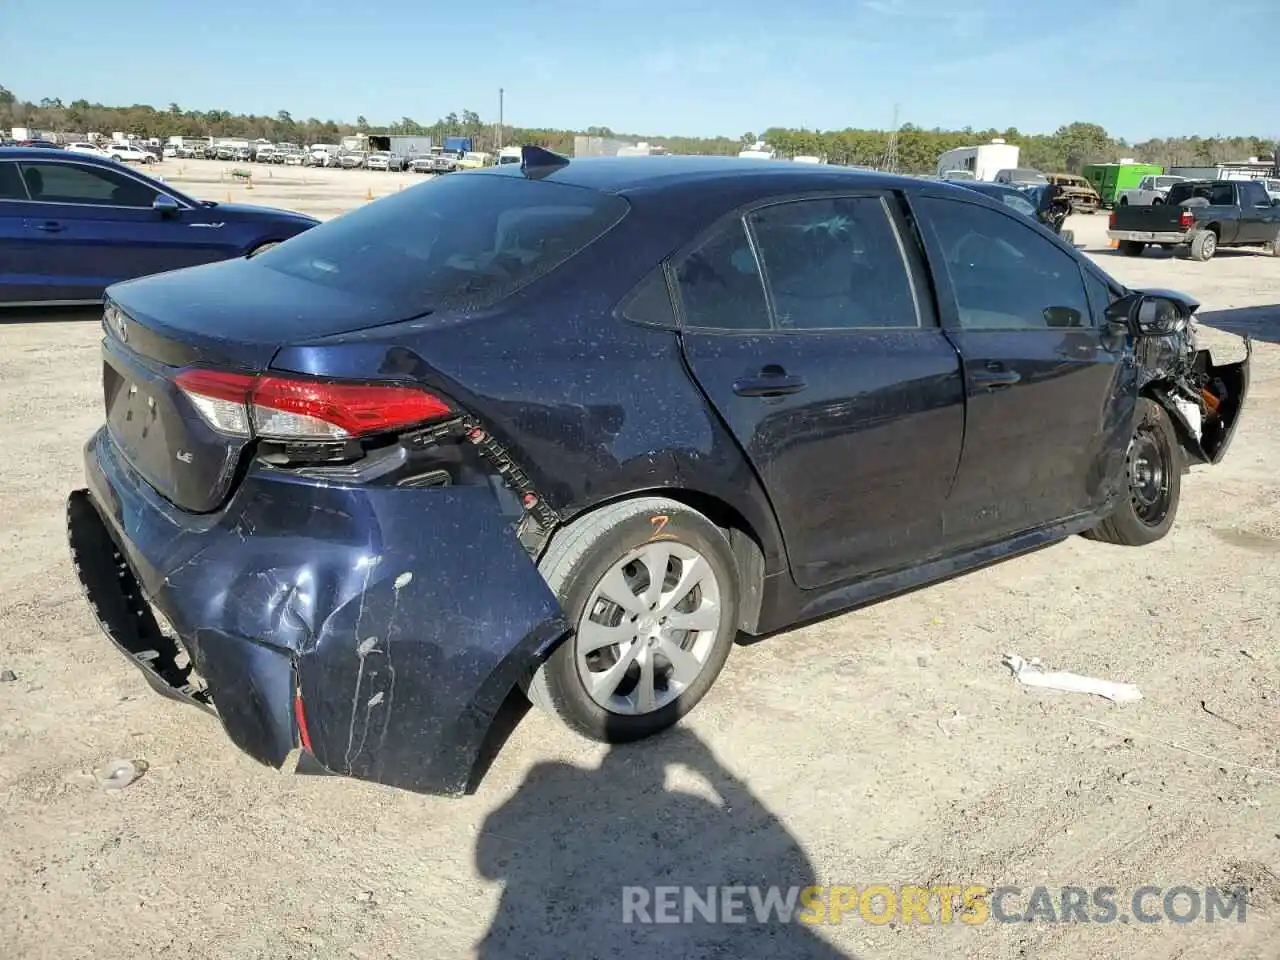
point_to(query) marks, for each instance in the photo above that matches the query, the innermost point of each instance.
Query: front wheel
(1153, 476)
(651, 589)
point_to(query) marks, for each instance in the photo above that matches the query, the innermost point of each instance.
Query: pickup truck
(1200, 216)
(1151, 189)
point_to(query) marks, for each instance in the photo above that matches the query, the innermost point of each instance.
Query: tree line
(1067, 149)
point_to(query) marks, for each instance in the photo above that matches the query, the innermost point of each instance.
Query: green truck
(1110, 178)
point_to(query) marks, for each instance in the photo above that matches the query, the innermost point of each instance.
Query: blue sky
(696, 67)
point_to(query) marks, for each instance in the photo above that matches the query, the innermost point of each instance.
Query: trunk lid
(233, 315)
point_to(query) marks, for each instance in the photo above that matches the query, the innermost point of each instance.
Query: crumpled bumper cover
(402, 617)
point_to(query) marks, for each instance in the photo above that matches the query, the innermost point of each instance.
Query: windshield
(462, 242)
(1027, 176)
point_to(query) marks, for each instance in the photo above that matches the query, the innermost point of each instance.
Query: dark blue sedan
(569, 427)
(71, 225)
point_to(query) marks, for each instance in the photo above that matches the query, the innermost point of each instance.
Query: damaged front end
(1203, 399)
(377, 629)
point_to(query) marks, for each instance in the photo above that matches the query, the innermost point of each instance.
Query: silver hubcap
(648, 629)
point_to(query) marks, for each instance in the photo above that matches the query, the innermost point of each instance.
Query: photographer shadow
(571, 841)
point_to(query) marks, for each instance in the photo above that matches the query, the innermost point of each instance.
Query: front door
(90, 226)
(808, 327)
(1051, 394)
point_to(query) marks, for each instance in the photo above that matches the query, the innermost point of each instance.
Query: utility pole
(500, 120)
(891, 153)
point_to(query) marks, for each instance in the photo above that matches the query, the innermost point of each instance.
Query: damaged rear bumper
(378, 629)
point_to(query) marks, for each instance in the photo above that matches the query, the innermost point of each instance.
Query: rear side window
(11, 183)
(457, 243)
(834, 264)
(719, 283)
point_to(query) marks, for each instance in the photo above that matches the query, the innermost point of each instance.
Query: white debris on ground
(1031, 674)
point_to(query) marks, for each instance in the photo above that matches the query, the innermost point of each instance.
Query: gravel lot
(883, 746)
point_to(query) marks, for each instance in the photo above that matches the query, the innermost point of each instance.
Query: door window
(834, 264)
(1004, 274)
(1221, 195)
(11, 183)
(96, 186)
(719, 283)
(1253, 194)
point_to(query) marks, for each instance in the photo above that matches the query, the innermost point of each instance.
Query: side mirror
(1158, 316)
(165, 205)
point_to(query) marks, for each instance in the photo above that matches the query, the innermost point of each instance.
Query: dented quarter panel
(406, 627)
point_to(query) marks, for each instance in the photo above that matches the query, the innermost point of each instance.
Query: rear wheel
(1153, 475)
(1157, 201)
(1204, 244)
(1132, 248)
(651, 589)
(1124, 201)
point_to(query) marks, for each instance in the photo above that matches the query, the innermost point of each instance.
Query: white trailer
(982, 162)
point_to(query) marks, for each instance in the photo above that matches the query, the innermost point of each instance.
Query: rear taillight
(286, 408)
(1111, 221)
(1186, 219)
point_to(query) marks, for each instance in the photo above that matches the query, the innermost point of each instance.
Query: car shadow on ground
(1260, 323)
(571, 840)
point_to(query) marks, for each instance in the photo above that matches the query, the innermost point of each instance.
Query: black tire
(1132, 248)
(573, 565)
(1273, 247)
(1204, 244)
(1124, 201)
(1157, 202)
(1142, 519)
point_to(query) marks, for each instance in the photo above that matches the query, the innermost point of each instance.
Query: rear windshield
(461, 242)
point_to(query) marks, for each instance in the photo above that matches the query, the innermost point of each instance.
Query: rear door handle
(50, 226)
(772, 381)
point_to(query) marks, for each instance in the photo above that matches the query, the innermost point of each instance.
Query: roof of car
(44, 153)
(625, 174)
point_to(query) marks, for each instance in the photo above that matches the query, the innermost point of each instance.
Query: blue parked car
(569, 427)
(71, 225)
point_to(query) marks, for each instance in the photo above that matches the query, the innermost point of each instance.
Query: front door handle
(995, 377)
(50, 226)
(772, 381)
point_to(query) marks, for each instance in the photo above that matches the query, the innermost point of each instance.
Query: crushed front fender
(399, 619)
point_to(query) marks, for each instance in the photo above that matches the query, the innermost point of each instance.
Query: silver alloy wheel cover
(651, 632)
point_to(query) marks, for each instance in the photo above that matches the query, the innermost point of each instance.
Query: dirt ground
(885, 746)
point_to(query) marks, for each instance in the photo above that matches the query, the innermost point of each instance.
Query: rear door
(1051, 394)
(809, 327)
(20, 281)
(91, 225)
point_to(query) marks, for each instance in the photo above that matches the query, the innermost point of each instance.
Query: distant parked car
(384, 160)
(1022, 177)
(44, 144)
(351, 161)
(1079, 191)
(71, 224)
(1031, 202)
(1150, 191)
(88, 149)
(127, 153)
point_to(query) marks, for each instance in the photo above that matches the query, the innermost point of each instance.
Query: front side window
(1004, 274)
(73, 183)
(834, 264)
(457, 243)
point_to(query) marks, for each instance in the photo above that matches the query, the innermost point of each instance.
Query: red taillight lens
(286, 408)
(1111, 221)
(1186, 219)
